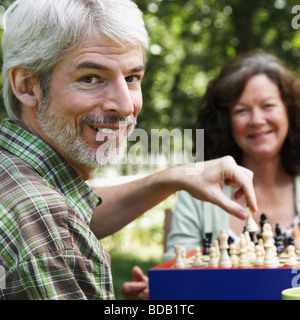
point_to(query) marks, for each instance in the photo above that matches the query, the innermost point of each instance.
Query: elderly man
(72, 89)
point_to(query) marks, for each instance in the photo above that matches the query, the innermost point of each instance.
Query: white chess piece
(248, 246)
(261, 244)
(243, 262)
(214, 261)
(251, 253)
(179, 262)
(183, 254)
(270, 258)
(251, 224)
(276, 259)
(198, 257)
(292, 259)
(259, 256)
(224, 261)
(233, 256)
(216, 245)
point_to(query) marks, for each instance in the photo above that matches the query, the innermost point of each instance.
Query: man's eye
(132, 78)
(89, 80)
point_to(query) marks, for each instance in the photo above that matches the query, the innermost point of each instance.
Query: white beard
(68, 138)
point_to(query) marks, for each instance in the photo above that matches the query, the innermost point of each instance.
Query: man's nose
(118, 99)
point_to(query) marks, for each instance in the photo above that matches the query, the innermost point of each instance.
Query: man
(72, 74)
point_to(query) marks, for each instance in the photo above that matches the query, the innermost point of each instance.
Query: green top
(193, 218)
(47, 248)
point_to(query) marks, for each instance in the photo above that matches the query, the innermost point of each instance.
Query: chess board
(206, 283)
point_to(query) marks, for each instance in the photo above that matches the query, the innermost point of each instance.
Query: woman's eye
(239, 111)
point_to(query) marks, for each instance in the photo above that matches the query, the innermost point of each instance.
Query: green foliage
(192, 39)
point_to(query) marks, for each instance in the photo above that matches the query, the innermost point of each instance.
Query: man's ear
(25, 87)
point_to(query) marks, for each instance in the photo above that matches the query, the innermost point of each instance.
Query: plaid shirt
(47, 249)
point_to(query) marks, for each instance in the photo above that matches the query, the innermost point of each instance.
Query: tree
(192, 39)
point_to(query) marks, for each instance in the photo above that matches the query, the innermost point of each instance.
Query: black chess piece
(288, 240)
(263, 220)
(279, 240)
(207, 243)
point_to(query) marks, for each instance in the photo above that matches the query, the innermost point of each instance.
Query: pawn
(183, 254)
(198, 260)
(251, 253)
(216, 245)
(243, 262)
(214, 261)
(292, 259)
(259, 256)
(179, 262)
(261, 244)
(270, 257)
(251, 224)
(233, 256)
(276, 259)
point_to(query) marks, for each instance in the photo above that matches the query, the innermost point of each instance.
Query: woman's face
(259, 119)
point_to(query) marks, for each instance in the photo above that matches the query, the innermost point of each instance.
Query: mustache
(108, 119)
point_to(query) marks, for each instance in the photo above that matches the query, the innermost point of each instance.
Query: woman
(251, 112)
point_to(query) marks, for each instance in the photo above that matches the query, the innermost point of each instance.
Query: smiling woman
(224, 94)
(260, 122)
(251, 111)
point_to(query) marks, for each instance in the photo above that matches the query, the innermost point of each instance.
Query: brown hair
(223, 93)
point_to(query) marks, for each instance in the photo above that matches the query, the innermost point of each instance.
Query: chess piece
(259, 261)
(288, 240)
(276, 259)
(263, 220)
(183, 254)
(279, 240)
(207, 243)
(261, 244)
(179, 262)
(251, 253)
(214, 261)
(198, 260)
(292, 259)
(216, 245)
(251, 224)
(233, 256)
(248, 241)
(270, 258)
(243, 262)
(224, 261)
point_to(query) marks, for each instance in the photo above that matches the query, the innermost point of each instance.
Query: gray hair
(38, 33)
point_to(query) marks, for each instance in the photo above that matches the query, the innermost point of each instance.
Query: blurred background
(190, 41)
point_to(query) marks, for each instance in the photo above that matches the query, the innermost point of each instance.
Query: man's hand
(207, 184)
(137, 290)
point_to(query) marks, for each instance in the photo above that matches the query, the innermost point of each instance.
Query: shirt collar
(48, 163)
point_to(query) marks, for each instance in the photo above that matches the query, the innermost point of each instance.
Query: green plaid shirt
(46, 246)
